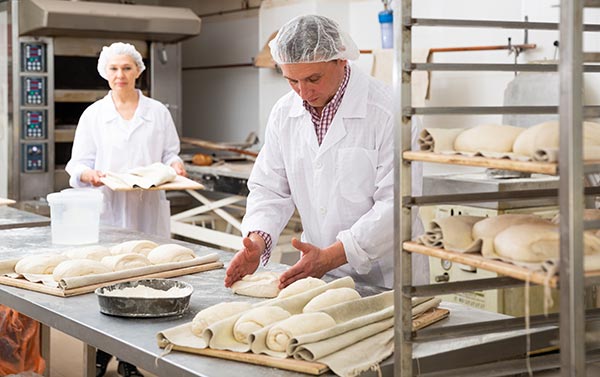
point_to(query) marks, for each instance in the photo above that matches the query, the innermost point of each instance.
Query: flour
(142, 291)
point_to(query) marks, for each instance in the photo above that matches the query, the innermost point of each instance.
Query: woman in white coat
(121, 131)
(329, 152)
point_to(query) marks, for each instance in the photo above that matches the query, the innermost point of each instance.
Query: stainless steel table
(15, 218)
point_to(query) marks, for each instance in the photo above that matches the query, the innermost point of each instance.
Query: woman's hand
(179, 168)
(92, 177)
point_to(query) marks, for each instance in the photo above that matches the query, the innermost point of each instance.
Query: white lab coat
(343, 189)
(103, 142)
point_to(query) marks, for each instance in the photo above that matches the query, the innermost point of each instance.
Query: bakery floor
(70, 364)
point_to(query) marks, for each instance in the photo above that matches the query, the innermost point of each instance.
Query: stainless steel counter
(15, 218)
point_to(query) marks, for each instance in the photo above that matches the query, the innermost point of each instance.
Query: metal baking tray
(144, 307)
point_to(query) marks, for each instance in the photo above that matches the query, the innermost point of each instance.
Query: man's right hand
(246, 260)
(92, 177)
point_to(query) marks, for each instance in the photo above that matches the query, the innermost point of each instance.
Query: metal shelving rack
(572, 317)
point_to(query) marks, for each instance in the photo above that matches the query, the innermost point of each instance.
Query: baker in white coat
(329, 152)
(124, 130)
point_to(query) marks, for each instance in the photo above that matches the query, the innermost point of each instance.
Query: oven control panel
(34, 158)
(34, 124)
(33, 57)
(34, 91)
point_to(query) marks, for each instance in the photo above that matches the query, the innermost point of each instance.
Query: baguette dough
(125, 261)
(487, 138)
(39, 264)
(256, 319)
(91, 252)
(78, 267)
(300, 286)
(171, 252)
(329, 298)
(215, 313)
(438, 139)
(263, 284)
(281, 333)
(546, 136)
(134, 247)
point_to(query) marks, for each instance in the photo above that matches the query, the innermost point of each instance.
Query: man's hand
(314, 262)
(179, 168)
(246, 260)
(93, 177)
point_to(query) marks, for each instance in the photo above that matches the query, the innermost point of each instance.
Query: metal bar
(572, 317)
(589, 111)
(489, 24)
(207, 207)
(463, 286)
(591, 224)
(493, 67)
(45, 341)
(89, 360)
(220, 66)
(226, 216)
(591, 3)
(591, 168)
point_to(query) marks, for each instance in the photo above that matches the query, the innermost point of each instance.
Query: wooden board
(180, 183)
(477, 260)
(495, 163)
(39, 287)
(430, 317)
(4, 201)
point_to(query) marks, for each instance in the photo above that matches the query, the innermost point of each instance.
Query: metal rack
(573, 319)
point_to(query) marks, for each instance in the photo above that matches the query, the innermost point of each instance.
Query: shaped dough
(263, 284)
(154, 175)
(329, 298)
(125, 261)
(215, 313)
(281, 333)
(134, 247)
(171, 252)
(39, 264)
(256, 319)
(78, 267)
(546, 136)
(438, 139)
(300, 286)
(91, 252)
(487, 138)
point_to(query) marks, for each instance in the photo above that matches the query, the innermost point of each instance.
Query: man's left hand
(179, 168)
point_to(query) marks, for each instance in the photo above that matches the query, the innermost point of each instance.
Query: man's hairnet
(312, 39)
(118, 48)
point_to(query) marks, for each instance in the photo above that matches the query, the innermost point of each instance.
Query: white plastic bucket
(75, 216)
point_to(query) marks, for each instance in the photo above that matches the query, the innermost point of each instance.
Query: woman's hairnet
(118, 48)
(312, 39)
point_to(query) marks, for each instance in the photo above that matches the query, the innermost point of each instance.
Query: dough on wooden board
(300, 286)
(79, 267)
(487, 138)
(215, 313)
(546, 136)
(257, 318)
(125, 261)
(281, 333)
(136, 247)
(39, 264)
(438, 139)
(263, 284)
(171, 252)
(329, 298)
(95, 252)
(155, 174)
(534, 243)
(487, 229)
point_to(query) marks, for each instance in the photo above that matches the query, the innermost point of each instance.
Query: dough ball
(281, 333)
(215, 313)
(546, 136)
(329, 298)
(96, 253)
(300, 286)
(134, 247)
(487, 229)
(487, 138)
(125, 261)
(201, 159)
(255, 319)
(171, 253)
(39, 264)
(78, 267)
(263, 284)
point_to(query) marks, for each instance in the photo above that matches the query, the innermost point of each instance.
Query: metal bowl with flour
(145, 298)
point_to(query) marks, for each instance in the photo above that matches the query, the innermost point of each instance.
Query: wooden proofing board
(302, 366)
(39, 287)
(180, 183)
(477, 260)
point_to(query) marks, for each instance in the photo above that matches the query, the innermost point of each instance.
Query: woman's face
(122, 73)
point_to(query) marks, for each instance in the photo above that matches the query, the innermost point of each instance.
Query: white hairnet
(312, 39)
(118, 48)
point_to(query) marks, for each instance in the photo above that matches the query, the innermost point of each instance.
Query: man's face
(122, 72)
(315, 83)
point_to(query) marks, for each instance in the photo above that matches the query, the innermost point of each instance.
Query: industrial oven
(48, 57)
